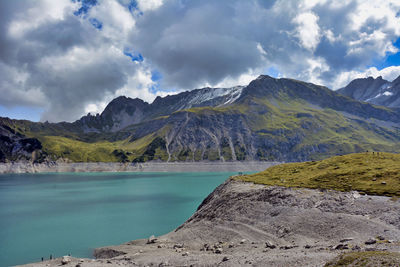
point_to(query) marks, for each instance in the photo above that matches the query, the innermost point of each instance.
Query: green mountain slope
(369, 172)
(271, 119)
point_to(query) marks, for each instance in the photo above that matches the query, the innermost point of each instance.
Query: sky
(60, 60)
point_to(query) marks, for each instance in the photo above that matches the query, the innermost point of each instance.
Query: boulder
(65, 260)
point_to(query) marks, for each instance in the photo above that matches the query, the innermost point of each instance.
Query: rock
(356, 247)
(186, 253)
(383, 182)
(243, 241)
(342, 246)
(370, 241)
(287, 247)
(379, 237)
(78, 265)
(65, 260)
(178, 245)
(307, 246)
(268, 244)
(152, 239)
(218, 250)
(231, 246)
(225, 258)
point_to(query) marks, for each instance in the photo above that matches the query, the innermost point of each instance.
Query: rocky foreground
(242, 223)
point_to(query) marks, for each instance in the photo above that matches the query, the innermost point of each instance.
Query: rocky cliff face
(270, 119)
(15, 146)
(124, 111)
(376, 91)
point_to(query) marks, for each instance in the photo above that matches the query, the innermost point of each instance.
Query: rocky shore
(204, 166)
(243, 224)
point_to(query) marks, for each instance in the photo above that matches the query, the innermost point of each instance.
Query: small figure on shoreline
(51, 256)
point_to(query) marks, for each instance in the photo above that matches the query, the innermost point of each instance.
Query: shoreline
(202, 166)
(242, 223)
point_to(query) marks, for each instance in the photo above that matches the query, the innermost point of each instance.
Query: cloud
(72, 57)
(389, 73)
(308, 30)
(65, 62)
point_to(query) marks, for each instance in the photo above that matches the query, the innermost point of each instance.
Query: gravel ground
(243, 224)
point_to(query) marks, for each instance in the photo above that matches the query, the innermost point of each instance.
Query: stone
(178, 245)
(65, 260)
(383, 182)
(218, 250)
(268, 244)
(152, 239)
(342, 246)
(186, 253)
(307, 246)
(370, 241)
(242, 241)
(225, 258)
(379, 237)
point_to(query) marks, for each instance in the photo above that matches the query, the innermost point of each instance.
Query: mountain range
(269, 119)
(376, 91)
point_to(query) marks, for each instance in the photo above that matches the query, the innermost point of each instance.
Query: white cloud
(146, 5)
(308, 30)
(389, 73)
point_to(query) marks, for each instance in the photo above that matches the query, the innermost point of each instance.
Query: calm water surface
(58, 214)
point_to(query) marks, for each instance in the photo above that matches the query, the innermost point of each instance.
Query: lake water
(58, 214)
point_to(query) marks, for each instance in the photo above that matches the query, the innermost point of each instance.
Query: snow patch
(212, 93)
(387, 93)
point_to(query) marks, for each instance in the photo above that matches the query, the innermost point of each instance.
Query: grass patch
(371, 173)
(366, 258)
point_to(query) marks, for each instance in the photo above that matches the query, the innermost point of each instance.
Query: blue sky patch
(156, 75)
(273, 72)
(85, 6)
(135, 56)
(96, 23)
(20, 112)
(390, 59)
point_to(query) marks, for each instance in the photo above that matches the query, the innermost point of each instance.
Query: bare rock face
(376, 91)
(15, 146)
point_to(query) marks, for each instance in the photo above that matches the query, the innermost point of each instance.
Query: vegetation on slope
(366, 258)
(369, 172)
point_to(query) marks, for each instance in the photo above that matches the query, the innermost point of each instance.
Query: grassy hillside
(370, 172)
(366, 258)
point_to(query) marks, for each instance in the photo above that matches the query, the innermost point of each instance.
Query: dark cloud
(66, 55)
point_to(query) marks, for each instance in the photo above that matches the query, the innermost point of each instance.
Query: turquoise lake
(73, 213)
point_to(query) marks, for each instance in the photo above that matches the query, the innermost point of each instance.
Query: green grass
(366, 258)
(371, 173)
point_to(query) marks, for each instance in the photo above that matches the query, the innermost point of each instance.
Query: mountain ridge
(376, 91)
(270, 120)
